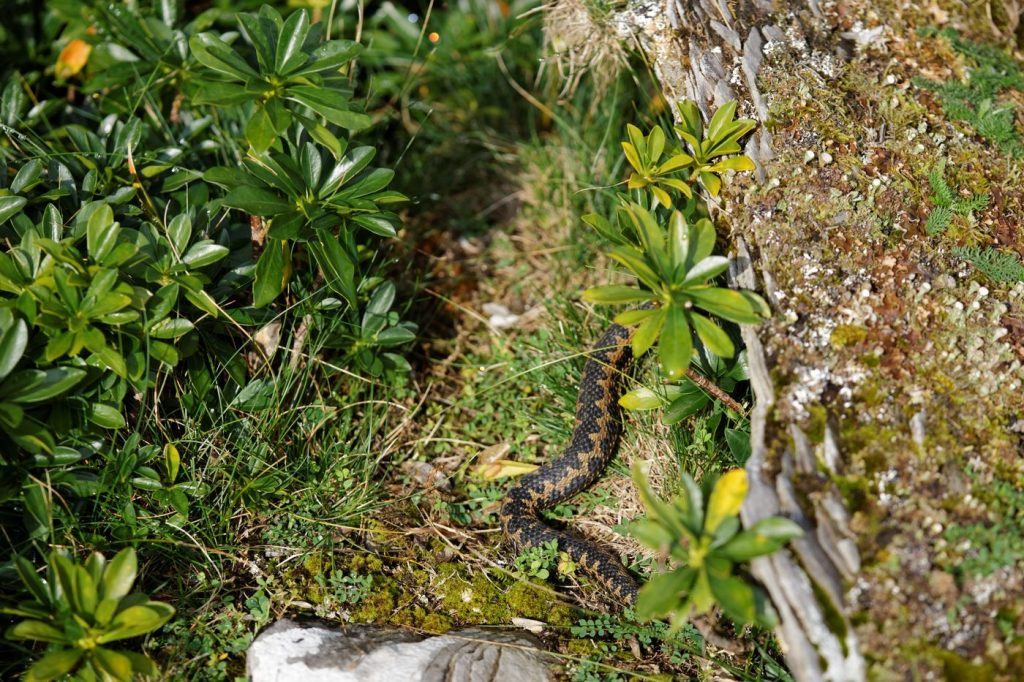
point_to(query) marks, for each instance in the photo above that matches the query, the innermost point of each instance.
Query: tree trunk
(888, 383)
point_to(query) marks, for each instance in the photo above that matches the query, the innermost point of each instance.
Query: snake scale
(594, 440)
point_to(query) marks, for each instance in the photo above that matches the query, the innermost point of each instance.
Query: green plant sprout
(670, 253)
(1004, 267)
(80, 608)
(698, 534)
(948, 203)
(680, 170)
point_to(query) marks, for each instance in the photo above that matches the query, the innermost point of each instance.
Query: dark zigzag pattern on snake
(594, 441)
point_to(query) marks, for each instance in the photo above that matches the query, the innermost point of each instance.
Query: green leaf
(113, 664)
(172, 461)
(28, 176)
(705, 269)
(377, 224)
(640, 399)
(735, 597)
(691, 124)
(349, 166)
(727, 303)
(12, 346)
(722, 118)
(54, 665)
(616, 293)
(289, 54)
(338, 268)
(712, 182)
(663, 593)
(329, 56)
(628, 318)
(214, 53)
(270, 274)
(106, 416)
(334, 106)
(655, 144)
(171, 328)
(735, 163)
(726, 498)
(120, 574)
(639, 144)
(137, 620)
(675, 163)
(764, 537)
(35, 630)
(204, 253)
(648, 332)
(10, 206)
(256, 201)
(633, 259)
(712, 336)
(101, 232)
(375, 180)
(34, 386)
(739, 445)
(690, 400)
(651, 533)
(676, 344)
(259, 131)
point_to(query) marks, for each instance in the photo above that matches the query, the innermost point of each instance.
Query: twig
(710, 387)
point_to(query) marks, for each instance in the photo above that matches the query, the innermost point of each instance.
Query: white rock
(289, 651)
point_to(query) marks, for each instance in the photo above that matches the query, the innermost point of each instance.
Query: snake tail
(595, 439)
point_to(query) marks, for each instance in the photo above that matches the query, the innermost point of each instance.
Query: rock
(290, 651)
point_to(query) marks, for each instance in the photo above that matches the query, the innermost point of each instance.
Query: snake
(595, 438)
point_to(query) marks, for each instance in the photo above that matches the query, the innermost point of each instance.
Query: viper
(595, 438)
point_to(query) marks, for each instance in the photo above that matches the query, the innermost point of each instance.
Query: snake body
(594, 440)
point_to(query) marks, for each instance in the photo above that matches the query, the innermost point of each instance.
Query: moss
(436, 623)
(958, 669)
(379, 605)
(530, 601)
(848, 335)
(856, 491)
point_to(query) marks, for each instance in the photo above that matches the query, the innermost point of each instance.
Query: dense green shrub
(170, 184)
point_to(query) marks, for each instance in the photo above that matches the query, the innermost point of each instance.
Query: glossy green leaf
(648, 331)
(270, 277)
(214, 53)
(171, 328)
(676, 344)
(120, 574)
(663, 593)
(256, 201)
(640, 399)
(735, 597)
(338, 268)
(727, 303)
(44, 384)
(54, 665)
(710, 267)
(764, 537)
(691, 400)
(712, 336)
(137, 620)
(615, 294)
(259, 131)
(10, 206)
(12, 346)
(113, 664)
(333, 106)
(106, 416)
(289, 42)
(330, 56)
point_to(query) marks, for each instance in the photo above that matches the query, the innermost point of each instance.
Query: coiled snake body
(594, 440)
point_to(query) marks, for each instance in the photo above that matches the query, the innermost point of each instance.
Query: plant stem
(710, 387)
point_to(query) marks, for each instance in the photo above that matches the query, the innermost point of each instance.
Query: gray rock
(290, 651)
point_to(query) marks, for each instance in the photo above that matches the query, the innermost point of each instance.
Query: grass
(304, 492)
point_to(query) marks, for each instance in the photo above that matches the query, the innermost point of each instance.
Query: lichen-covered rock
(890, 379)
(289, 651)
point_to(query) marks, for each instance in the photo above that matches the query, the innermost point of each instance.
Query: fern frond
(1004, 267)
(942, 195)
(966, 207)
(938, 220)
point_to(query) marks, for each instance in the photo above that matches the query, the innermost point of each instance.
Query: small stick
(715, 391)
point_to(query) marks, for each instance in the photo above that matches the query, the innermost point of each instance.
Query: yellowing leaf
(502, 468)
(726, 499)
(72, 58)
